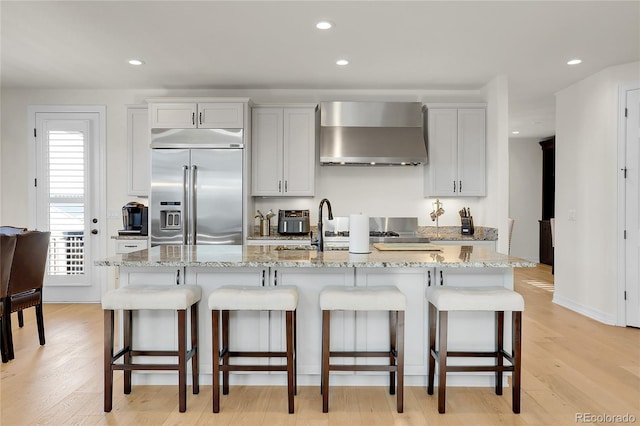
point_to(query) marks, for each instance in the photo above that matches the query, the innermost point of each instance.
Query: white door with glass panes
(67, 196)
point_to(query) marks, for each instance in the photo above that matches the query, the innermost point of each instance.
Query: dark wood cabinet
(546, 246)
(548, 198)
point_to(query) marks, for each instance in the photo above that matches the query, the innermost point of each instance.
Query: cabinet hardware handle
(460, 186)
(130, 246)
(193, 118)
(200, 117)
(263, 274)
(441, 278)
(279, 186)
(177, 276)
(454, 186)
(286, 185)
(275, 277)
(428, 278)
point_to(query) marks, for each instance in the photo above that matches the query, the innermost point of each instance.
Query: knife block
(467, 226)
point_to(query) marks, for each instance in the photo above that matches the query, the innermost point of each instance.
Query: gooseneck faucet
(319, 242)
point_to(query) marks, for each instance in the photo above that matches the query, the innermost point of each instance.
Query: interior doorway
(630, 208)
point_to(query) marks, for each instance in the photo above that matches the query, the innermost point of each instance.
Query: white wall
(376, 191)
(586, 187)
(525, 196)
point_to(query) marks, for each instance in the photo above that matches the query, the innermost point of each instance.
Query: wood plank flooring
(571, 365)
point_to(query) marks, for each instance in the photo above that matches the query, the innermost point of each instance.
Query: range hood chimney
(372, 133)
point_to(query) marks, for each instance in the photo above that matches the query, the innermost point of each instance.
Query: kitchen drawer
(128, 245)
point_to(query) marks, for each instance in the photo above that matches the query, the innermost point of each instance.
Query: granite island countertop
(217, 256)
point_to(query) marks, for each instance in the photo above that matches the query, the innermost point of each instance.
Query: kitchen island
(262, 265)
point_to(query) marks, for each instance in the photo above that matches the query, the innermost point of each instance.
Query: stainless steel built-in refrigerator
(196, 186)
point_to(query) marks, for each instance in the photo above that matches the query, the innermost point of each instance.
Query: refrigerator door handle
(185, 205)
(192, 207)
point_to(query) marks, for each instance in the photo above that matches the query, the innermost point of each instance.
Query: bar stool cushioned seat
(495, 299)
(150, 297)
(251, 298)
(382, 298)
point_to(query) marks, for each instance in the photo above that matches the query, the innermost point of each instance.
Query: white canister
(358, 233)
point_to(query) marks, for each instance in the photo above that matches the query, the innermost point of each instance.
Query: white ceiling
(415, 45)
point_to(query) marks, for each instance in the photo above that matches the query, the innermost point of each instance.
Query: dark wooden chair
(13, 230)
(7, 249)
(25, 281)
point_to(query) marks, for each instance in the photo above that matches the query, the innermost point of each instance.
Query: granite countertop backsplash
(445, 233)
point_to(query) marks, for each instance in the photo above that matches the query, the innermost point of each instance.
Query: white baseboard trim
(603, 317)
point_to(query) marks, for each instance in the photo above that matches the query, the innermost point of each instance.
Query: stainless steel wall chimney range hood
(372, 133)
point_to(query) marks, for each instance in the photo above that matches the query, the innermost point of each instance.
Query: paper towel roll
(358, 233)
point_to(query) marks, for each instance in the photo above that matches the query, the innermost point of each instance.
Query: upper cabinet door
(471, 152)
(299, 151)
(283, 151)
(441, 175)
(173, 115)
(457, 143)
(139, 150)
(220, 115)
(266, 147)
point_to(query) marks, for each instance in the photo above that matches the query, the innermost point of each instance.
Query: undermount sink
(309, 248)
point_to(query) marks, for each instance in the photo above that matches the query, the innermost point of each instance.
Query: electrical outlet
(114, 214)
(572, 215)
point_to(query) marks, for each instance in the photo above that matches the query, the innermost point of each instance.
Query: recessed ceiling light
(135, 62)
(515, 132)
(324, 25)
(342, 62)
(574, 61)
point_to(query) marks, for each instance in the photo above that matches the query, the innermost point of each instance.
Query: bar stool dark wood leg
(215, 324)
(442, 361)
(108, 355)
(225, 352)
(326, 331)
(499, 348)
(182, 361)
(400, 360)
(290, 357)
(195, 375)
(432, 348)
(393, 315)
(517, 359)
(295, 349)
(127, 330)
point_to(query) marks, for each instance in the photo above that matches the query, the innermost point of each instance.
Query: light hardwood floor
(571, 365)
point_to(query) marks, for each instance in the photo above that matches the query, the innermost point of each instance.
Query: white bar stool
(251, 298)
(442, 300)
(383, 298)
(150, 297)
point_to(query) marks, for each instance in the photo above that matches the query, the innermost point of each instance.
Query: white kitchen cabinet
(128, 245)
(456, 151)
(139, 150)
(372, 328)
(204, 115)
(284, 150)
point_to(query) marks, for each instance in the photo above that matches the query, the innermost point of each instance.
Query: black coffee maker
(135, 219)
